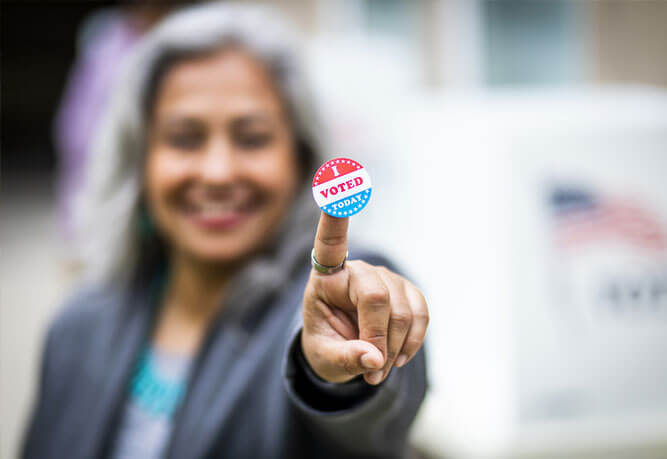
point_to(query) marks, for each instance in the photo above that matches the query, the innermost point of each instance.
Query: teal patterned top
(156, 389)
(153, 391)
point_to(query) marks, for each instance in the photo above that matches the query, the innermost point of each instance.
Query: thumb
(340, 361)
(331, 240)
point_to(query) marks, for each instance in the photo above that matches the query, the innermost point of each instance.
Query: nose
(219, 165)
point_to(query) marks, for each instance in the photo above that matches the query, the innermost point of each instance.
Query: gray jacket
(250, 394)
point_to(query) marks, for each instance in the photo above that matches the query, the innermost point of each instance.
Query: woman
(193, 344)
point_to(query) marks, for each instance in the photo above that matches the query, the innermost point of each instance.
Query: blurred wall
(631, 41)
(38, 47)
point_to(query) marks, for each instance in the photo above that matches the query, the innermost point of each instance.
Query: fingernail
(368, 362)
(375, 377)
(400, 361)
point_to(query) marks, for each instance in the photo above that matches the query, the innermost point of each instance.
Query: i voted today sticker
(341, 187)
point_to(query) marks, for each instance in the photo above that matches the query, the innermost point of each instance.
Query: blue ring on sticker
(342, 187)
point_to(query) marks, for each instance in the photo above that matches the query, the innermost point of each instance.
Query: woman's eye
(251, 141)
(185, 140)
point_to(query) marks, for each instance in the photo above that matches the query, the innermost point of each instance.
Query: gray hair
(110, 204)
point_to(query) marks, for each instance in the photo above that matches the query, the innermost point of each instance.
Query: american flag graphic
(584, 217)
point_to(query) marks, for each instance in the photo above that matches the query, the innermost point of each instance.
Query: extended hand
(362, 320)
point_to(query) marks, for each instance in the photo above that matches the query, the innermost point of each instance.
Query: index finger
(331, 240)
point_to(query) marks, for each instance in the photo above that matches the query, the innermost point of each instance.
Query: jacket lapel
(229, 364)
(118, 345)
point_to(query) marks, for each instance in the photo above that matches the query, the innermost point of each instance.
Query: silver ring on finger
(323, 269)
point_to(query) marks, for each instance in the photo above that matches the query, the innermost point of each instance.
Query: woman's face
(220, 170)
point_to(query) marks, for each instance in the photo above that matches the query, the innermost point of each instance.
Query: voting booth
(536, 222)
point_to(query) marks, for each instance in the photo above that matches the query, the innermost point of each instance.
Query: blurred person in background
(203, 331)
(105, 40)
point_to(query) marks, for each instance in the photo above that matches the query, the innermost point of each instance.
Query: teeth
(218, 208)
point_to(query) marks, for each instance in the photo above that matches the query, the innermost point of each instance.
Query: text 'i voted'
(342, 187)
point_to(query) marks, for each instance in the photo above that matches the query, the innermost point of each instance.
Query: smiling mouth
(221, 215)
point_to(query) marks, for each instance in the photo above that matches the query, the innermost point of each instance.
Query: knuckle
(376, 333)
(422, 316)
(388, 273)
(345, 362)
(310, 292)
(377, 296)
(314, 283)
(423, 300)
(401, 320)
(332, 241)
(377, 338)
(413, 344)
(397, 277)
(348, 367)
(356, 265)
